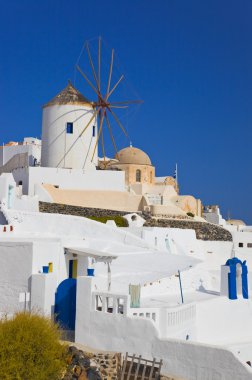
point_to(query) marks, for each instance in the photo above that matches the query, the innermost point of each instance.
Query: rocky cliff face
(204, 231)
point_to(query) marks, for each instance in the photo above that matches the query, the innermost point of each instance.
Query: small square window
(240, 245)
(69, 128)
(249, 245)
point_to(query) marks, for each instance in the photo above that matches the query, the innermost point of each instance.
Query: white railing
(168, 321)
(152, 314)
(180, 315)
(109, 302)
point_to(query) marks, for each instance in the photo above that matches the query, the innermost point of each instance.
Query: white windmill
(73, 125)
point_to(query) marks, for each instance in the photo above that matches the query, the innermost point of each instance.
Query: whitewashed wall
(69, 179)
(49, 250)
(33, 150)
(43, 289)
(174, 240)
(181, 358)
(224, 320)
(16, 268)
(72, 226)
(245, 238)
(64, 150)
(6, 181)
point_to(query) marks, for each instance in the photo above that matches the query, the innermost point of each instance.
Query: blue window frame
(69, 128)
(93, 130)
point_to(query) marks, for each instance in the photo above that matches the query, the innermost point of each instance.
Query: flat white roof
(89, 252)
(140, 268)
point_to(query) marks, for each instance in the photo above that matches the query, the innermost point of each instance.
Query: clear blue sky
(190, 61)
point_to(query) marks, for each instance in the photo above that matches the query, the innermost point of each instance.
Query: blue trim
(70, 268)
(65, 304)
(232, 288)
(69, 128)
(245, 281)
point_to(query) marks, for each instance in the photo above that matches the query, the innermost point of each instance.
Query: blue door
(65, 304)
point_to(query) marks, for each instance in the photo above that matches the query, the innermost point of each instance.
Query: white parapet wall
(71, 226)
(119, 332)
(111, 302)
(77, 179)
(33, 151)
(178, 322)
(43, 289)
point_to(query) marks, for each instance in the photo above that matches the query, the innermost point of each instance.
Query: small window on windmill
(69, 128)
(240, 245)
(93, 130)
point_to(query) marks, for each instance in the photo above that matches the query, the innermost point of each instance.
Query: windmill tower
(65, 119)
(73, 126)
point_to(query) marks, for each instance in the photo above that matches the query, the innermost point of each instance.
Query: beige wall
(112, 200)
(172, 182)
(169, 209)
(188, 204)
(127, 201)
(147, 172)
(162, 189)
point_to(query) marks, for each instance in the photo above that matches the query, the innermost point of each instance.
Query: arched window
(138, 175)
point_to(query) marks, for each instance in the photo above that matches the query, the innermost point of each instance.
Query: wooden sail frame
(104, 108)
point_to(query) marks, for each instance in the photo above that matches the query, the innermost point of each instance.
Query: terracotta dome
(131, 155)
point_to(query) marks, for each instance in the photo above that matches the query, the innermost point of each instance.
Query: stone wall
(83, 365)
(92, 366)
(56, 208)
(204, 231)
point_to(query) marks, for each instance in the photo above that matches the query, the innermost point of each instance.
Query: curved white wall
(65, 150)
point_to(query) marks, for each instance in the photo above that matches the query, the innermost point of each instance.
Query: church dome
(131, 155)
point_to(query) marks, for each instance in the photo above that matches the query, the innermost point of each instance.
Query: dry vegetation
(30, 348)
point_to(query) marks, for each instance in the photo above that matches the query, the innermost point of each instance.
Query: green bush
(190, 214)
(30, 348)
(119, 220)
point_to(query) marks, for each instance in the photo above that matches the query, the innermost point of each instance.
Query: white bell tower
(69, 132)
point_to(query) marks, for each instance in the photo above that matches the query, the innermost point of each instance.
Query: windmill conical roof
(69, 95)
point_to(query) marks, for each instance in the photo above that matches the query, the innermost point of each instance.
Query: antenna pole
(180, 285)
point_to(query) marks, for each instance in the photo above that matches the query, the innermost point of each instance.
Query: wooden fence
(137, 368)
